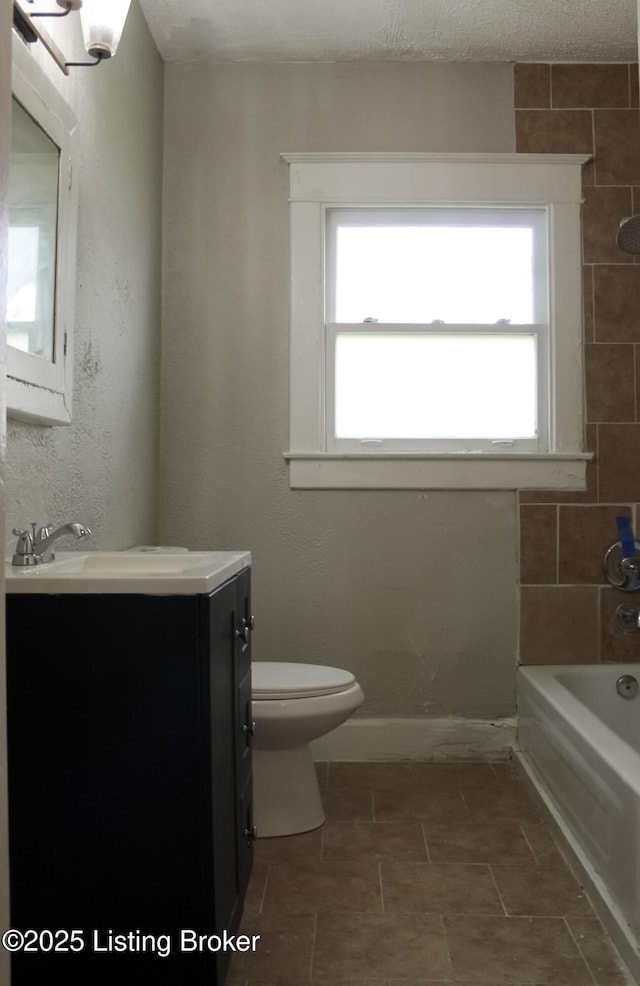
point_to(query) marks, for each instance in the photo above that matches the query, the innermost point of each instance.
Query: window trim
(321, 182)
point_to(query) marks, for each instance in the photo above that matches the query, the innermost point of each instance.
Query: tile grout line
(596, 454)
(558, 544)
(495, 883)
(580, 952)
(635, 381)
(599, 624)
(613, 342)
(313, 945)
(264, 891)
(594, 318)
(570, 109)
(531, 849)
(381, 887)
(446, 942)
(426, 844)
(467, 807)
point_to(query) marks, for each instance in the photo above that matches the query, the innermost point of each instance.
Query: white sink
(152, 573)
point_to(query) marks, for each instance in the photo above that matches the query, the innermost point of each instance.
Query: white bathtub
(579, 742)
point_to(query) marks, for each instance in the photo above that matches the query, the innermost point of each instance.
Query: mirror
(42, 235)
(33, 216)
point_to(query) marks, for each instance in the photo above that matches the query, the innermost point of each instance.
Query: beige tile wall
(566, 607)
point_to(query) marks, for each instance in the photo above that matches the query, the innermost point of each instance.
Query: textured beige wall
(5, 111)
(102, 469)
(415, 592)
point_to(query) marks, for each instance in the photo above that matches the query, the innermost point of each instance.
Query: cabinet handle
(252, 621)
(244, 632)
(251, 833)
(249, 730)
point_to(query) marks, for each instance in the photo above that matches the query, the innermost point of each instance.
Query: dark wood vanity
(129, 726)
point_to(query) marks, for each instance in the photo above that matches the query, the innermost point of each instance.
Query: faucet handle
(25, 539)
(24, 554)
(36, 533)
(32, 534)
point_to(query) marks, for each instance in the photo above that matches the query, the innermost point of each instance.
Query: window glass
(445, 270)
(460, 267)
(417, 385)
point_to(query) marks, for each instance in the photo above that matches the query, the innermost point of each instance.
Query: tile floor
(422, 873)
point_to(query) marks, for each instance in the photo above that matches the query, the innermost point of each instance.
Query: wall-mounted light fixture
(102, 25)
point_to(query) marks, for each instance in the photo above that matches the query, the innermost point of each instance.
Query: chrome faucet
(33, 546)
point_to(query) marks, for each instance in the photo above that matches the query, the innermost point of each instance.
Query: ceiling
(393, 30)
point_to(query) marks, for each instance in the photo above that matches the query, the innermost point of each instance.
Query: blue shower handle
(627, 540)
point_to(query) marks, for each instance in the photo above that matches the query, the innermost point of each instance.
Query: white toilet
(293, 704)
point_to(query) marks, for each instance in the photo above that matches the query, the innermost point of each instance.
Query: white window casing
(548, 184)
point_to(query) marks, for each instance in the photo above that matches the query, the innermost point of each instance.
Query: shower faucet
(627, 618)
(33, 547)
(622, 559)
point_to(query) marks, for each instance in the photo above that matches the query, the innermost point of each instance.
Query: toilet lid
(278, 679)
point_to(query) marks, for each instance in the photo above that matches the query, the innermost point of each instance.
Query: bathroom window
(435, 303)
(437, 327)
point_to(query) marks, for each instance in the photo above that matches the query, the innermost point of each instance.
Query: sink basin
(155, 573)
(156, 564)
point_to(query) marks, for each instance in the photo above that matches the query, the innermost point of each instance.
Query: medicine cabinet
(42, 246)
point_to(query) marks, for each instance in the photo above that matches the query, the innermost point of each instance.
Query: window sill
(455, 471)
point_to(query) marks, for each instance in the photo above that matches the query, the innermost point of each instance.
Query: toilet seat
(281, 680)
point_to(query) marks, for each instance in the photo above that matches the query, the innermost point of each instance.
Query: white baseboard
(447, 738)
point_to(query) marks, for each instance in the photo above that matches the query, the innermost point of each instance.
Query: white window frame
(320, 183)
(40, 390)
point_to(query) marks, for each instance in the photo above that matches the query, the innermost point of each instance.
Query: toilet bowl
(293, 704)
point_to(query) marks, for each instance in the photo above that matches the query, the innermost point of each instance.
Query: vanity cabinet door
(228, 659)
(105, 784)
(244, 733)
